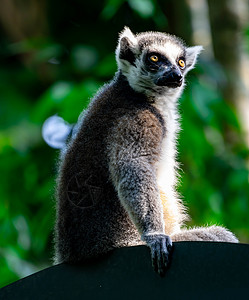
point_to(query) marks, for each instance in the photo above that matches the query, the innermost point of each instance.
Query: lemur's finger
(160, 264)
(154, 257)
(165, 254)
(164, 257)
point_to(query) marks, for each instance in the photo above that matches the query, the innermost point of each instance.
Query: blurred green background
(54, 57)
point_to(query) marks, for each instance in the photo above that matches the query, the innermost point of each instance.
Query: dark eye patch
(181, 57)
(152, 65)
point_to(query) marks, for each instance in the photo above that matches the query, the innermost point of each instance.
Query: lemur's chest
(167, 160)
(166, 173)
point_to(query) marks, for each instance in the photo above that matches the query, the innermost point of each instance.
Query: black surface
(199, 270)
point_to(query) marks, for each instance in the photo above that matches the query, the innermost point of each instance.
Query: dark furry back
(90, 217)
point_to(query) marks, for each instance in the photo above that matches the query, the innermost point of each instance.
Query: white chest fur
(166, 171)
(173, 210)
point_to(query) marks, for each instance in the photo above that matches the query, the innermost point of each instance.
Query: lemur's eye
(154, 58)
(181, 63)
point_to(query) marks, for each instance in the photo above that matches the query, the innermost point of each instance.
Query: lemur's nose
(174, 75)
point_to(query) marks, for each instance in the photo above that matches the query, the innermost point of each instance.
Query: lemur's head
(155, 63)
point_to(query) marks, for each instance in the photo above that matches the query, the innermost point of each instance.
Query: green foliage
(58, 74)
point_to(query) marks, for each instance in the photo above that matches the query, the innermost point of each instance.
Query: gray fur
(117, 176)
(211, 234)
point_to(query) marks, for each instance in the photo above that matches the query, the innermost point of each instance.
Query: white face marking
(170, 50)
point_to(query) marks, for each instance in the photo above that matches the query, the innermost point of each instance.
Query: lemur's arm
(133, 149)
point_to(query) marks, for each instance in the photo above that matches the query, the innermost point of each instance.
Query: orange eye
(181, 63)
(154, 58)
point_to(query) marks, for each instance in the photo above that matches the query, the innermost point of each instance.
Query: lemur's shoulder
(141, 121)
(119, 106)
(137, 133)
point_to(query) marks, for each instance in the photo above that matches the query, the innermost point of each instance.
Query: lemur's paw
(161, 248)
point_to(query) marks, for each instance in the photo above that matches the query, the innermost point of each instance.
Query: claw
(154, 260)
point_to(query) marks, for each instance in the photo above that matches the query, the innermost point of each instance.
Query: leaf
(145, 8)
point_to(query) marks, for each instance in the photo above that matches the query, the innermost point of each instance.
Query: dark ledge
(199, 270)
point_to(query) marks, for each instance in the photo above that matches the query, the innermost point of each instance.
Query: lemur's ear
(191, 56)
(126, 46)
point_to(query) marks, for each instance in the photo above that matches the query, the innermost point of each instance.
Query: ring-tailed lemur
(117, 175)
